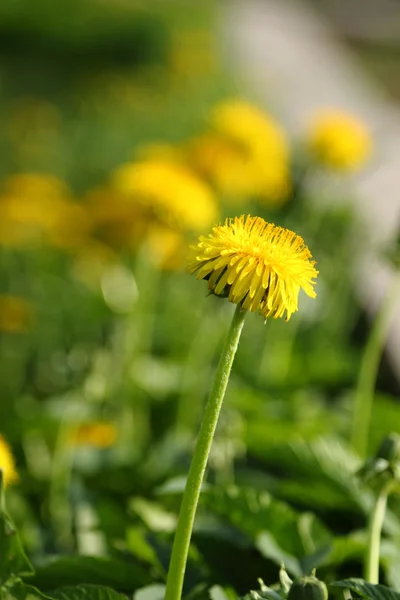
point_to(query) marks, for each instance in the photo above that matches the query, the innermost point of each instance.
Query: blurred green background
(123, 137)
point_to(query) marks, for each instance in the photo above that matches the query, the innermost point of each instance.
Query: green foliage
(87, 85)
(367, 590)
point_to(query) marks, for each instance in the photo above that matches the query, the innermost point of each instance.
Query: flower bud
(308, 588)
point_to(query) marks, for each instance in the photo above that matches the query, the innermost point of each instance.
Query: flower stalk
(198, 465)
(371, 567)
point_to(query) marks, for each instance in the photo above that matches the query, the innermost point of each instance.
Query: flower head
(339, 141)
(168, 189)
(255, 264)
(250, 127)
(7, 464)
(244, 154)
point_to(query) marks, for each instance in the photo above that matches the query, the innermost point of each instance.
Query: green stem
(199, 461)
(371, 567)
(369, 370)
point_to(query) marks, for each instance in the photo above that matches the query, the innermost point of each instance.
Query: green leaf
(141, 549)
(278, 531)
(219, 593)
(321, 476)
(368, 590)
(156, 591)
(87, 592)
(76, 570)
(20, 591)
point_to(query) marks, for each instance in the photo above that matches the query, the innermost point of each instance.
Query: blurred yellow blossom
(339, 141)
(237, 174)
(98, 434)
(16, 314)
(251, 128)
(7, 464)
(169, 191)
(37, 208)
(244, 154)
(114, 220)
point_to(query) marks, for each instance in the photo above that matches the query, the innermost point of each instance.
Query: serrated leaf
(278, 531)
(320, 475)
(87, 592)
(367, 590)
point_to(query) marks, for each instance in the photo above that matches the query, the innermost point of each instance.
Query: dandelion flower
(174, 194)
(255, 264)
(339, 141)
(37, 208)
(250, 127)
(244, 154)
(7, 464)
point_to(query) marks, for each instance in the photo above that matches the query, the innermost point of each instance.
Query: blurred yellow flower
(7, 464)
(170, 191)
(36, 209)
(244, 154)
(339, 140)
(115, 221)
(98, 434)
(251, 128)
(255, 264)
(237, 174)
(16, 314)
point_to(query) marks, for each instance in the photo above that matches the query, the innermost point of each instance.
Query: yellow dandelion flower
(16, 314)
(339, 140)
(171, 191)
(250, 127)
(97, 434)
(238, 175)
(7, 464)
(37, 208)
(255, 264)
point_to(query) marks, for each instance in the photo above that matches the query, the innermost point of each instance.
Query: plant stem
(371, 567)
(191, 494)
(369, 369)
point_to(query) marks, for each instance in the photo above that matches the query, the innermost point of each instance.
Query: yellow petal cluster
(36, 208)
(255, 264)
(245, 154)
(249, 127)
(7, 464)
(339, 140)
(171, 191)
